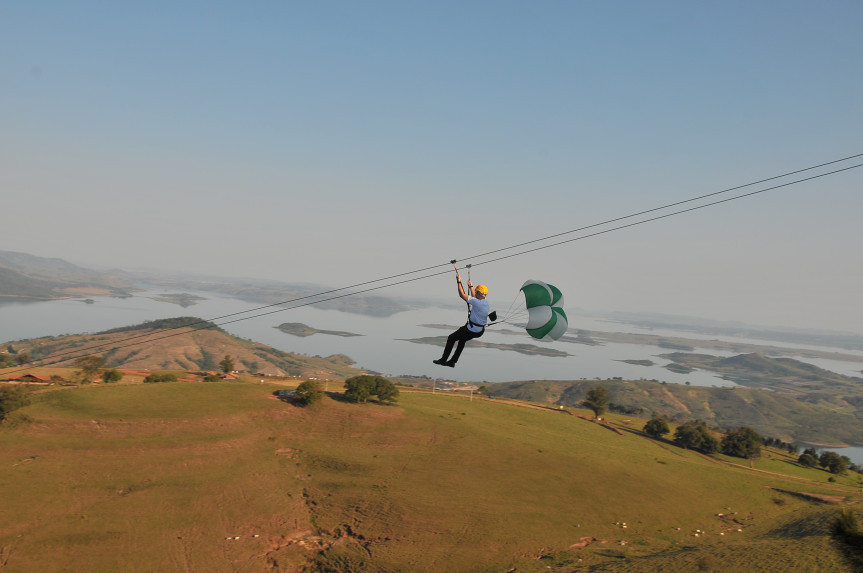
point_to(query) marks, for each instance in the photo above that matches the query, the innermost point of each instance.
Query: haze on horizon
(338, 143)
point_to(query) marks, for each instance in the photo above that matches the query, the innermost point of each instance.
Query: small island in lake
(182, 298)
(300, 329)
(639, 362)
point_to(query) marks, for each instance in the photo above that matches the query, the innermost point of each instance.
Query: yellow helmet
(482, 289)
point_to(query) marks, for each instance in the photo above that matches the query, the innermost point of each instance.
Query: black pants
(460, 336)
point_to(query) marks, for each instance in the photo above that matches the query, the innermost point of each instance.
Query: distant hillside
(31, 277)
(738, 330)
(274, 293)
(816, 418)
(760, 371)
(183, 343)
(16, 285)
(24, 276)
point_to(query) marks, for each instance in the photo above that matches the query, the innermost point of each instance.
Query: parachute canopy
(544, 302)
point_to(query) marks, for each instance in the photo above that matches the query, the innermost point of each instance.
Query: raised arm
(461, 292)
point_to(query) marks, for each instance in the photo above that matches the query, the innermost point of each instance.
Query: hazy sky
(340, 142)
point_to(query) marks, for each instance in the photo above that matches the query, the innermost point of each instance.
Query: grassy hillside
(775, 414)
(223, 477)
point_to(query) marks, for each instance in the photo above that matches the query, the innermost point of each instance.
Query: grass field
(194, 477)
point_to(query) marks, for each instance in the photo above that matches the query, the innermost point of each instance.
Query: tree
(12, 398)
(657, 427)
(89, 368)
(23, 357)
(596, 400)
(807, 460)
(361, 388)
(112, 375)
(833, 462)
(696, 436)
(309, 392)
(385, 390)
(742, 443)
(227, 364)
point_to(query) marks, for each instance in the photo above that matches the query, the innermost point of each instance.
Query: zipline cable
(210, 323)
(668, 206)
(281, 303)
(657, 218)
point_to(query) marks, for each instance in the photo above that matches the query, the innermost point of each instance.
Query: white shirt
(479, 310)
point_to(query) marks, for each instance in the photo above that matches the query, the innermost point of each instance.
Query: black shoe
(451, 364)
(440, 361)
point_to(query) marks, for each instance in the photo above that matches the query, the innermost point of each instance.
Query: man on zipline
(476, 321)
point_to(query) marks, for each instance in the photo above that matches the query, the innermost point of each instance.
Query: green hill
(223, 477)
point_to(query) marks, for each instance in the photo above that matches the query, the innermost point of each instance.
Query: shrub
(657, 427)
(308, 392)
(833, 462)
(361, 388)
(742, 443)
(112, 375)
(12, 398)
(696, 436)
(160, 378)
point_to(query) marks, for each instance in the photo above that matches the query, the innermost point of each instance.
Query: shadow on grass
(340, 397)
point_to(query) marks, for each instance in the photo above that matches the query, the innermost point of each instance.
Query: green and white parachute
(544, 302)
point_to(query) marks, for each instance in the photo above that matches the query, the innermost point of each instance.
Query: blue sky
(340, 142)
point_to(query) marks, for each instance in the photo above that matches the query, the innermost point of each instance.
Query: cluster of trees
(357, 389)
(12, 358)
(91, 368)
(627, 410)
(694, 435)
(779, 444)
(742, 442)
(830, 461)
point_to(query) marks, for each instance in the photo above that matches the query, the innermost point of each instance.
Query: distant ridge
(30, 277)
(168, 344)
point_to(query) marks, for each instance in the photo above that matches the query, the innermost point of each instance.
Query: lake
(379, 347)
